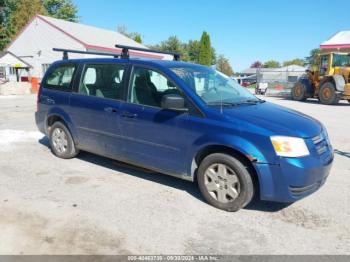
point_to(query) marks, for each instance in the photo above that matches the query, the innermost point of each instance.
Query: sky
(243, 31)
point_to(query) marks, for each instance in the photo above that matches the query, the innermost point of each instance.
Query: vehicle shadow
(145, 174)
(266, 206)
(173, 182)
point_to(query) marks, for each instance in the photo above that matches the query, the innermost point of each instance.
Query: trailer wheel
(299, 92)
(328, 95)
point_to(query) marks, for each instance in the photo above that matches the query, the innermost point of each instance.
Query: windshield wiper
(252, 101)
(221, 103)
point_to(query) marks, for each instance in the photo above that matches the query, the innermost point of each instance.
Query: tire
(61, 141)
(328, 95)
(230, 195)
(299, 92)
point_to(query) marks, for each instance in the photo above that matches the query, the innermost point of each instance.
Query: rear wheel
(299, 92)
(328, 95)
(61, 141)
(225, 182)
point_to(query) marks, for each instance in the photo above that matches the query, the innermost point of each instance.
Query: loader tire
(299, 92)
(328, 95)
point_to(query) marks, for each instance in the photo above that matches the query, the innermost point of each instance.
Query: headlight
(289, 146)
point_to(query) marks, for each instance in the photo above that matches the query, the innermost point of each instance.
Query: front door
(151, 136)
(95, 108)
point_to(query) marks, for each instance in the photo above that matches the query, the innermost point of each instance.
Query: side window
(61, 77)
(103, 80)
(147, 87)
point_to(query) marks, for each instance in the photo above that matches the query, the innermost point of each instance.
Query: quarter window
(103, 80)
(61, 78)
(148, 87)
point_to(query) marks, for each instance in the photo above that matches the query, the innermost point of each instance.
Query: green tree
(193, 48)
(272, 64)
(122, 29)
(137, 38)
(172, 44)
(296, 61)
(205, 52)
(7, 7)
(26, 10)
(61, 9)
(312, 59)
(223, 65)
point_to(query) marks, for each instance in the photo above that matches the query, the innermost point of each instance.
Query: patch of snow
(9, 136)
(7, 97)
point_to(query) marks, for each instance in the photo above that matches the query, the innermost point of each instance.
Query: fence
(277, 82)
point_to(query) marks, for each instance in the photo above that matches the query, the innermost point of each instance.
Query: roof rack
(125, 51)
(66, 51)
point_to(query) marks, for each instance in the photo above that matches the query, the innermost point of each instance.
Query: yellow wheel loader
(329, 81)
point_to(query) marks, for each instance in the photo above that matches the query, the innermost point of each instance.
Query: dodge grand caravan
(187, 121)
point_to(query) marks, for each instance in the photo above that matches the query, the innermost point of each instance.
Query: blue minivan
(187, 121)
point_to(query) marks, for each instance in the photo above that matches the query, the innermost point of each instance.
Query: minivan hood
(276, 119)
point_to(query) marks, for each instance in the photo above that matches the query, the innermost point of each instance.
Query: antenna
(125, 51)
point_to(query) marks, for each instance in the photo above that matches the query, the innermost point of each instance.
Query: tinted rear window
(61, 77)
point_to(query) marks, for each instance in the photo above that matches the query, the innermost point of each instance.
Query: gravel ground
(94, 205)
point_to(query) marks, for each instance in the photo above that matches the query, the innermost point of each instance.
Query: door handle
(110, 110)
(129, 115)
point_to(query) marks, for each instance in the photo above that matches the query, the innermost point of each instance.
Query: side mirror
(174, 102)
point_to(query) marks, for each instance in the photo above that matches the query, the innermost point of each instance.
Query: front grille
(320, 143)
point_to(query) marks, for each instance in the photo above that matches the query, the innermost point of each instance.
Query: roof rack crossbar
(125, 51)
(66, 51)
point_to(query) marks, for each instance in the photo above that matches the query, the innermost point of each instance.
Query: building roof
(339, 40)
(8, 58)
(96, 39)
(290, 68)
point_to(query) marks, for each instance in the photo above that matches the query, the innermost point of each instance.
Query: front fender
(339, 82)
(235, 142)
(59, 112)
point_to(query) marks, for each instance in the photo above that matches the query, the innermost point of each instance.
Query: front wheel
(61, 141)
(225, 182)
(328, 95)
(299, 92)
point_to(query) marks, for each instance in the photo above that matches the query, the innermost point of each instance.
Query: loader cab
(324, 65)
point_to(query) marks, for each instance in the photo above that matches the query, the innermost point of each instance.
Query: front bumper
(295, 178)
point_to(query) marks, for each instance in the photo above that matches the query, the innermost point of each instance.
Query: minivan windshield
(213, 87)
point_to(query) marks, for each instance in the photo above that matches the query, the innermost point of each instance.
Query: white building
(35, 42)
(12, 67)
(339, 41)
